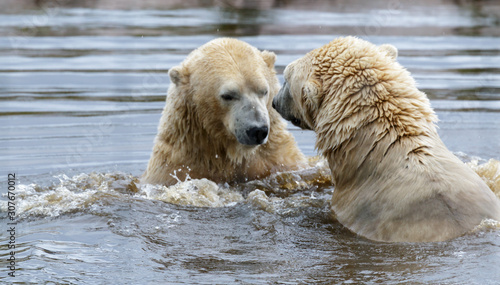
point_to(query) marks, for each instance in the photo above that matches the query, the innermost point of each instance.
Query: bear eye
(296, 122)
(229, 96)
(263, 92)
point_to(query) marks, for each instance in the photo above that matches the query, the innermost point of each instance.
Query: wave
(283, 193)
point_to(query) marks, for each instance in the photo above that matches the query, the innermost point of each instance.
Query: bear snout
(278, 106)
(276, 103)
(283, 101)
(257, 135)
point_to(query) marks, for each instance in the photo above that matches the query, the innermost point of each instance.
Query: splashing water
(282, 193)
(489, 172)
(195, 192)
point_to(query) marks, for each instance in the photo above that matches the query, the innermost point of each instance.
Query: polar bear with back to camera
(218, 122)
(394, 178)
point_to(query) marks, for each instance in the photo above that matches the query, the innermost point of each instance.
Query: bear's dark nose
(257, 134)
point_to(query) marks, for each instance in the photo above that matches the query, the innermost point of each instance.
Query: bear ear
(177, 75)
(312, 91)
(269, 57)
(390, 50)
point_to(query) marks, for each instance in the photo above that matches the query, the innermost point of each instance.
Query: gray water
(82, 86)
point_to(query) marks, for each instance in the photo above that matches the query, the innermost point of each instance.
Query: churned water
(82, 87)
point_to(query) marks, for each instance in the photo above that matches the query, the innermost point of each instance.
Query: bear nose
(257, 134)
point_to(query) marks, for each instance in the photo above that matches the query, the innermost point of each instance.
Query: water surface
(81, 92)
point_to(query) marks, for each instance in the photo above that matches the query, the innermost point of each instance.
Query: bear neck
(356, 139)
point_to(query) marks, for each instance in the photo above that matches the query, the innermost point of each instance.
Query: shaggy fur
(194, 137)
(394, 178)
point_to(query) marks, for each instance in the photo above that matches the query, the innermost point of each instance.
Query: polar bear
(394, 178)
(218, 122)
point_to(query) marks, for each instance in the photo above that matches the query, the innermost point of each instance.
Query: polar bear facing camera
(394, 178)
(218, 122)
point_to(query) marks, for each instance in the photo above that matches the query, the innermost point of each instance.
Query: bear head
(339, 64)
(227, 86)
(347, 84)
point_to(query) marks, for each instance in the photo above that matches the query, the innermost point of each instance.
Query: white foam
(70, 194)
(489, 172)
(486, 225)
(192, 192)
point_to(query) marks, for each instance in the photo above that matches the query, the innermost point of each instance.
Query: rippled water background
(82, 86)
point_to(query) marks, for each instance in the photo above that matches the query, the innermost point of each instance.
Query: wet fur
(193, 139)
(394, 178)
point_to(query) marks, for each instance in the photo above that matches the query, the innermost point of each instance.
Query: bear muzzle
(283, 104)
(256, 135)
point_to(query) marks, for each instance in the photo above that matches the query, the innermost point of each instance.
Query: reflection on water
(82, 86)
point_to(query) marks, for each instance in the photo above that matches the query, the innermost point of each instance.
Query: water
(82, 88)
